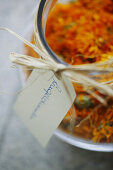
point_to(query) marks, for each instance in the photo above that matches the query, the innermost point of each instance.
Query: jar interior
(99, 127)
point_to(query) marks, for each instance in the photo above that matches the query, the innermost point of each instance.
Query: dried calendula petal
(80, 32)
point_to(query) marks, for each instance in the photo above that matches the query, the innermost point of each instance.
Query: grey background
(19, 150)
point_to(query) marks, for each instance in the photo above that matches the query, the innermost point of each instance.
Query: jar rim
(41, 33)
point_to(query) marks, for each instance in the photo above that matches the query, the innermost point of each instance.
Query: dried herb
(83, 34)
(87, 30)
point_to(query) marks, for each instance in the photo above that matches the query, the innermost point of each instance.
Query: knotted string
(77, 73)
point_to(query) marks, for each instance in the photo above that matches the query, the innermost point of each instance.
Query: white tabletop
(19, 150)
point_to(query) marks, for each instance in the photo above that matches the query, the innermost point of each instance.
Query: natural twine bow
(77, 73)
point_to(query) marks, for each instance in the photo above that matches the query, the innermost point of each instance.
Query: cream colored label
(44, 102)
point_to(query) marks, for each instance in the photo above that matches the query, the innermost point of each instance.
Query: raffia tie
(78, 73)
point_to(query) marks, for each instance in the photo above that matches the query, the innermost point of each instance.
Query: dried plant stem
(72, 118)
(88, 117)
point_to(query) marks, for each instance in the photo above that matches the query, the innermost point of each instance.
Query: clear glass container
(71, 137)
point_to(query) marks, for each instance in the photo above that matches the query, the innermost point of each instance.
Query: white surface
(18, 148)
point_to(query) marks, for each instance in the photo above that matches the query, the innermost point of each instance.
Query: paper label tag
(44, 102)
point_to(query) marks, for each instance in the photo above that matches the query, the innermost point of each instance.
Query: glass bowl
(44, 7)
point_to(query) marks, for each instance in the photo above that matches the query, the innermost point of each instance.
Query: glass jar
(80, 136)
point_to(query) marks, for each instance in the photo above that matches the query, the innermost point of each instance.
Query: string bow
(78, 73)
